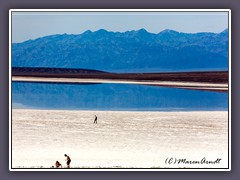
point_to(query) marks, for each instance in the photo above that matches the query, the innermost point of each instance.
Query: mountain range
(130, 51)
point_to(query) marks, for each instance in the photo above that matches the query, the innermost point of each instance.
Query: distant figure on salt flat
(68, 160)
(95, 120)
(58, 164)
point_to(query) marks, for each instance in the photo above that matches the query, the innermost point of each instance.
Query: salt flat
(120, 139)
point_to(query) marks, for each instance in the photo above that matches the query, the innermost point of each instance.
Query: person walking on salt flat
(95, 120)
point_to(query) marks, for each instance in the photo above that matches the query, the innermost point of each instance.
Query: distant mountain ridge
(130, 51)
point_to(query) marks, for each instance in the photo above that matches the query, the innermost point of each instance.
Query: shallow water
(114, 97)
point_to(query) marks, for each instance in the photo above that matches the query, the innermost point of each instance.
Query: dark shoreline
(206, 77)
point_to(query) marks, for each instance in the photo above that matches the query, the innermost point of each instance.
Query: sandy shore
(120, 139)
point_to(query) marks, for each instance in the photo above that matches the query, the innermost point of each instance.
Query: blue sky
(31, 25)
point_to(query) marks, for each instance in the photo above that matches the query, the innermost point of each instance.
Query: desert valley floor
(120, 139)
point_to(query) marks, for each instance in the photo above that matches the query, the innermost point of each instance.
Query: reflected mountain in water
(114, 97)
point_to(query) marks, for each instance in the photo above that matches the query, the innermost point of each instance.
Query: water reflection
(114, 97)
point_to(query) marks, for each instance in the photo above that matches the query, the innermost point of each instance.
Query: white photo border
(120, 10)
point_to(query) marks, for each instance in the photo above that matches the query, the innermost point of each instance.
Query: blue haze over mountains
(132, 51)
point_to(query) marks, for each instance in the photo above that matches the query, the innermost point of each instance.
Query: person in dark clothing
(95, 120)
(68, 160)
(58, 164)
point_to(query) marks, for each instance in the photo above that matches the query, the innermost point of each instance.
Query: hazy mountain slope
(131, 51)
(128, 51)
